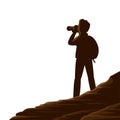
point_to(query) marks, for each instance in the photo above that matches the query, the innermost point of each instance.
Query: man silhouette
(84, 53)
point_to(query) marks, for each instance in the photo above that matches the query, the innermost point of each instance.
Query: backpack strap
(93, 60)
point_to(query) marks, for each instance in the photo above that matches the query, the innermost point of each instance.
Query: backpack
(94, 50)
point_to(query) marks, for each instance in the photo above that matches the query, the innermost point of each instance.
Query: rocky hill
(102, 103)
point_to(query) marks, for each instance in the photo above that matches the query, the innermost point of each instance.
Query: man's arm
(72, 39)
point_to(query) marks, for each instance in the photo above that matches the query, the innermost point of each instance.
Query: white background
(36, 63)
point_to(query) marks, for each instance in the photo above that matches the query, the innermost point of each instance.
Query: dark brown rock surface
(111, 112)
(102, 103)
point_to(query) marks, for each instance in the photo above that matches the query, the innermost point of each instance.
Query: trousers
(80, 64)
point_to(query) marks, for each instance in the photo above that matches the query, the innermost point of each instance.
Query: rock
(111, 112)
(85, 107)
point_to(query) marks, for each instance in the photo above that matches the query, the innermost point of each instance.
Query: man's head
(83, 26)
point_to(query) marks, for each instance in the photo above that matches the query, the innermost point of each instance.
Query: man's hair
(84, 25)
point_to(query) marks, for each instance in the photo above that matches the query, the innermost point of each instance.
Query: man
(86, 51)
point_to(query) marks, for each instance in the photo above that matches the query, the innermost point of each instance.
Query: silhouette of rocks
(111, 112)
(102, 103)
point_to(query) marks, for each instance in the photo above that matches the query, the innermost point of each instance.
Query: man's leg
(90, 73)
(78, 74)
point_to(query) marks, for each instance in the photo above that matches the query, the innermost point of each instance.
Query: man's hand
(75, 29)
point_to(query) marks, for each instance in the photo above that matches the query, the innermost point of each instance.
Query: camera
(73, 28)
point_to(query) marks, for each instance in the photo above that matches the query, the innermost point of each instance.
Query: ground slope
(82, 107)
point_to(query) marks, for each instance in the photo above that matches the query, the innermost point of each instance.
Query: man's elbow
(69, 43)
